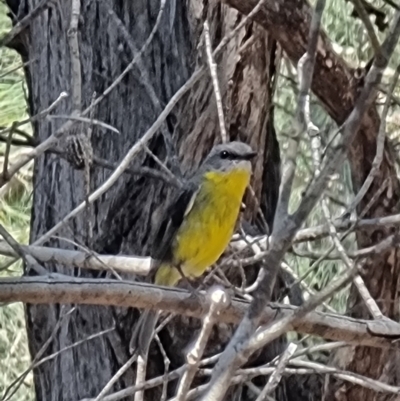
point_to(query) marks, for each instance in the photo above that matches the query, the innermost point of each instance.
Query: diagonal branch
(25, 22)
(219, 301)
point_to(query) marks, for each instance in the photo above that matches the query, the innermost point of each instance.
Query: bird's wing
(170, 223)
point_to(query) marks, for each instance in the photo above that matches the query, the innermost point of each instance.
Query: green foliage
(15, 202)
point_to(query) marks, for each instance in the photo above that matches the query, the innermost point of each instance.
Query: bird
(197, 226)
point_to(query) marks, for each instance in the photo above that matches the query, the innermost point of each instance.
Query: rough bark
(336, 85)
(123, 219)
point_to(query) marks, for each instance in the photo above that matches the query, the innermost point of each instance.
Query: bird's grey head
(228, 156)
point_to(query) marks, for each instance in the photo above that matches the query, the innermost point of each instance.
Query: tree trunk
(123, 218)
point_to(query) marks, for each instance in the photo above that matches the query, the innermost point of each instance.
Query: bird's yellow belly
(202, 242)
(208, 227)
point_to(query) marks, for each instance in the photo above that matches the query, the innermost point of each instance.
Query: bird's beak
(250, 155)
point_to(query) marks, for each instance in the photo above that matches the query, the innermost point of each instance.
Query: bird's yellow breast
(208, 227)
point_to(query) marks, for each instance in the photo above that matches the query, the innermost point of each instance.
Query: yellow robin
(198, 225)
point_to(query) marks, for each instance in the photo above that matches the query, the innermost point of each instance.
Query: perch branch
(45, 290)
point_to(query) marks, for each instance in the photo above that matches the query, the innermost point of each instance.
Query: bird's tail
(143, 332)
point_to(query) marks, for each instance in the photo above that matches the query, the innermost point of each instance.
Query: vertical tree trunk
(123, 218)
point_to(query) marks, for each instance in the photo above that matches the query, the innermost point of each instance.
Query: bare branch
(357, 280)
(24, 159)
(45, 290)
(368, 25)
(380, 145)
(140, 265)
(122, 264)
(76, 78)
(214, 77)
(219, 301)
(115, 378)
(350, 377)
(25, 22)
(305, 69)
(39, 361)
(85, 120)
(141, 368)
(42, 114)
(352, 123)
(275, 377)
(264, 336)
(11, 390)
(167, 362)
(18, 249)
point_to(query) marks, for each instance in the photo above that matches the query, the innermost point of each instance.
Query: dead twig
(24, 22)
(275, 377)
(214, 78)
(115, 378)
(380, 146)
(219, 300)
(27, 258)
(15, 385)
(89, 120)
(362, 13)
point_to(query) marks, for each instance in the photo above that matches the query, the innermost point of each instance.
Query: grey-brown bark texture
(123, 218)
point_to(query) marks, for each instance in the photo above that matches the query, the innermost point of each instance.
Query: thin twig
(305, 70)
(214, 78)
(357, 280)
(41, 361)
(140, 375)
(76, 77)
(350, 377)
(86, 178)
(392, 241)
(219, 301)
(7, 151)
(243, 375)
(161, 164)
(17, 382)
(288, 269)
(362, 13)
(85, 120)
(24, 22)
(39, 116)
(115, 378)
(275, 377)
(142, 171)
(22, 161)
(20, 251)
(380, 146)
(167, 362)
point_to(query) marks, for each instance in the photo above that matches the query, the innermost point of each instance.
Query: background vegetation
(14, 215)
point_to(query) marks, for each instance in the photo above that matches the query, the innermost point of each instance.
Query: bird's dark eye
(224, 154)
